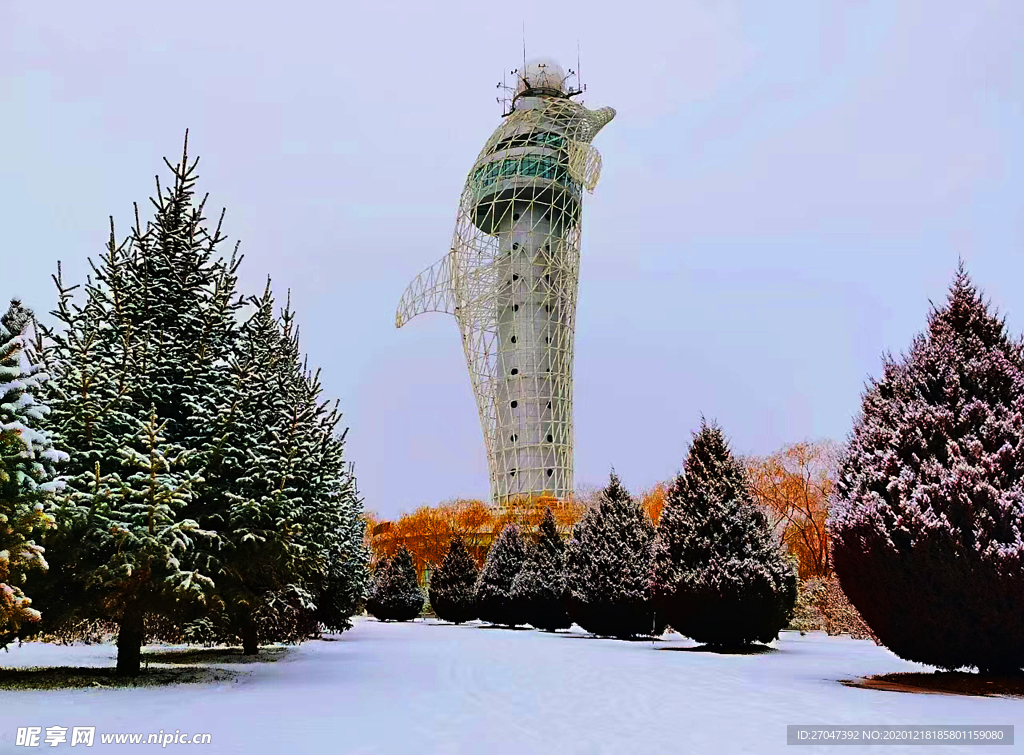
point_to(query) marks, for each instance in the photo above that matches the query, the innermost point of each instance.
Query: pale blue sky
(785, 187)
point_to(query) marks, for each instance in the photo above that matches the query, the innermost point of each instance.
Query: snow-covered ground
(427, 687)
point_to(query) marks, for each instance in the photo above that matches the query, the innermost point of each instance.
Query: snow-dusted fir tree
(494, 601)
(155, 329)
(249, 496)
(395, 594)
(453, 585)
(139, 537)
(927, 521)
(378, 572)
(330, 509)
(158, 327)
(28, 479)
(539, 588)
(607, 567)
(719, 577)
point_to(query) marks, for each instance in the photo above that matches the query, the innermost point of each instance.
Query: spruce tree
(28, 478)
(539, 588)
(158, 328)
(250, 492)
(453, 585)
(607, 567)
(718, 577)
(395, 593)
(135, 527)
(155, 330)
(377, 570)
(329, 510)
(494, 585)
(927, 522)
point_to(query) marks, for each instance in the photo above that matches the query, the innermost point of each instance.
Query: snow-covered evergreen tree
(539, 588)
(155, 329)
(494, 601)
(928, 517)
(395, 594)
(453, 585)
(28, 478)
(330, 510)
(607, 567)
(247, 496)
(136, 530)
(158, 327)
(718, 576)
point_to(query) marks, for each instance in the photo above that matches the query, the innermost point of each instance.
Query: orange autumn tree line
(427, 532)
(794, 485)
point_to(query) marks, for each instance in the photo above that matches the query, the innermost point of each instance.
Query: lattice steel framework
(511, 280)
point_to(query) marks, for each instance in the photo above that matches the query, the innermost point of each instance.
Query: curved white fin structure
(431, 291)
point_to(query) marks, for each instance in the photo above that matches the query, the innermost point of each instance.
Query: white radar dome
(542, 73)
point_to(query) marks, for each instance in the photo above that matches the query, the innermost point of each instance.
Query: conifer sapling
(494, 587)
(539, 588)
(719, 577)
(395, 594)
(452, 585)
(607, 567)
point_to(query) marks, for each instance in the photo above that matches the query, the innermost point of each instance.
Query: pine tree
(158, 328)
(607, 567)
(250, 496)
(718, 577)
(155, 330)
(453, 585)
(378, 570)
(330, 510)
(494, 585)
(28, 478)
(539, 588)
(395, 594)
(135, 523)
(928, 517)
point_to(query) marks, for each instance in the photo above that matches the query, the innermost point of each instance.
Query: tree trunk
(130, 634)
(250, 639)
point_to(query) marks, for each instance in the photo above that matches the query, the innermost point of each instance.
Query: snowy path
(432, 688)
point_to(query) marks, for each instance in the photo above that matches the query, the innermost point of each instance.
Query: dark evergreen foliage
(719, 577)
(154, 333)
(453, 585)
(291, 555)
(494, 587)
(539, 588)
(395, 594)
(263, 537)
(28, 478)
(607, 567)
(928, 517)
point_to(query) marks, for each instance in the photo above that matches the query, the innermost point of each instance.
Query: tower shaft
(511, 280)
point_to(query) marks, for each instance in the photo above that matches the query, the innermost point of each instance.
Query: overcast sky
(785, 187)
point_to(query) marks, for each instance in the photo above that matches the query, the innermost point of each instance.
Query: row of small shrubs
(710, 569)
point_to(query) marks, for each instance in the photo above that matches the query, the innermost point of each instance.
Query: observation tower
(511, 278)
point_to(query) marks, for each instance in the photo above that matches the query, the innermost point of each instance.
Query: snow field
(427, 687)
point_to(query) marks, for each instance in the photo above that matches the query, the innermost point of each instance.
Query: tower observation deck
(511, 279)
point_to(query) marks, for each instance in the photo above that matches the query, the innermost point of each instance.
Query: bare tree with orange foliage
(793, 485)
(652, 501)
(428, 531)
